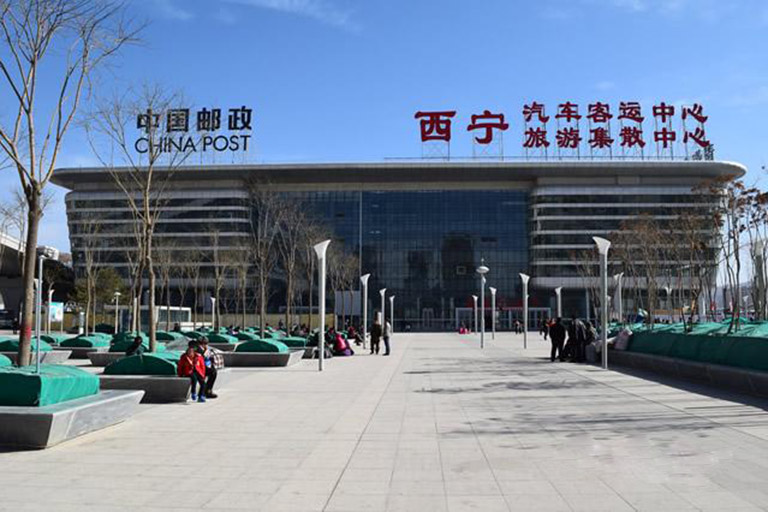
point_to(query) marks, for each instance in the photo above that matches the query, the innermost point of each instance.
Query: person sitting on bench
(136, 348)
(192, 365)
(214, 361)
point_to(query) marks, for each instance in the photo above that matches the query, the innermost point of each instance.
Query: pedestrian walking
(376, 333)
(387, 335)
(557, 338)
(576, 339)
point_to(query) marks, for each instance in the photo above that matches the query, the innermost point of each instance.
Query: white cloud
(172, 10)
(319, 10)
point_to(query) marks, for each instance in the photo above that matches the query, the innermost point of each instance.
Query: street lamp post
(482, 270)
(474, 313)
(383, 292)
(364, 281)
(602, 246)
(493, 312)
(117, 310)
(559, 293)
(525, 278)
(43, 253)
(213, 314)
(619, 306)
(48, 316)
(392, 313)
(320, 250)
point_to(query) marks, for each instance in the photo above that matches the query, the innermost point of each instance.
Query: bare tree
(145, 178)
(267, 211)
(86, 33)
(289, 242)
(312, 234)
(166, 260)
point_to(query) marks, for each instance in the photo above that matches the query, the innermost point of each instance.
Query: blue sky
(340, 80)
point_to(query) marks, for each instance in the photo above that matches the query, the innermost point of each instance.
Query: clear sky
(340, 80)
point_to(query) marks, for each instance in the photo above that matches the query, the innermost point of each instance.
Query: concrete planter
(262, 359)
(81, 352)
(52, 357)
(43, 427)
(158, 388)
(104, 358)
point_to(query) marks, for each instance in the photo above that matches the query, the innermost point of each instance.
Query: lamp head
(321, 248)
(602, 244)
(474, 298)
(482, 270)
(48, 253)
(364, 279)
(493, 290)
(525, 278)
(383, 291)
(558, 290)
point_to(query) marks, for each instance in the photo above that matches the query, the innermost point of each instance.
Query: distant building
(420, 228)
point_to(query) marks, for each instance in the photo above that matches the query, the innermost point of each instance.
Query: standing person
(376, 333)
(557, 338)
(192, 365)
(576, 336)
(387, 334)
(214, 361)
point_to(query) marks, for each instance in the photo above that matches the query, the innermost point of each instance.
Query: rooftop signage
(597, 129)
(176, 130)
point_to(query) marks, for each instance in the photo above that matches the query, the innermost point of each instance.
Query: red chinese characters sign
(591, 125)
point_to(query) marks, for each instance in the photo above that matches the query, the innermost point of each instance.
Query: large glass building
(419, 228)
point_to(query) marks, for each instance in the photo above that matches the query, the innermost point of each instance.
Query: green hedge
(145, 364)
(55, 384)
(262, 345)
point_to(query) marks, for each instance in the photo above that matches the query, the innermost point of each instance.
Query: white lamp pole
(48, 319)
(474, 310)
(482, 270)
(619, 306)
(364, 281)
(392, 313)
(213, 314)
(559, 293)
(602, 246)
(493, 312)
(320, 250)
(43, 253)
(383, 292)
(525, 278)
(117, 310)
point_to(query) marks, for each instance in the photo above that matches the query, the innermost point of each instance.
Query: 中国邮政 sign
(176, 130)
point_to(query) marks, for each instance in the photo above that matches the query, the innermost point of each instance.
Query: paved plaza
(439, 425)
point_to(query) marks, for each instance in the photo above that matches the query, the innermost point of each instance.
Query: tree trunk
(30, 255)
(310, 283)
(262, 305)
(151, 312)
(167, 304)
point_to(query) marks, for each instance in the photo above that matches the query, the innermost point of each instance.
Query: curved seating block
(262, 345)
(221, 338)
(55, 339)
(247, 336)
(5, 361)
(158, 389)
(224, 347)
(80, 352)
(169, 336)
(262, 359)
(52, 357)
(42, 427)
(730, 377)
(294, 341)
(86, 342)
(104, 358)
(194, 335)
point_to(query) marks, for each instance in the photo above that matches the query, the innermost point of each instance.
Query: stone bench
(104, 358)
(262, 359)
(159, 388)
(224, 347)
(51, 357)
(43, 427)
(737, 379)
(81, 352)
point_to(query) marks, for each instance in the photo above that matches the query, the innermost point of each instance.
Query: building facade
(419, 228)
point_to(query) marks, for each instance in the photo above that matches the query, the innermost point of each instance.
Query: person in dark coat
(376, 333)
(557, 338)
(576, 340)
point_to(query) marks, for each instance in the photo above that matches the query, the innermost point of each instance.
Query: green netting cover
(86, 342)
(169, 336)
(5, 361)
(13, 345)
(194, 335)
(54, 339)
(122, 346)
(247, 336)
(145, 364)
(294, 341)
(127, 335)
(221, 338)
(262, 345)
(54, 384)
(100, 335)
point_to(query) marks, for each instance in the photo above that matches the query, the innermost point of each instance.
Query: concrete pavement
(439, 425)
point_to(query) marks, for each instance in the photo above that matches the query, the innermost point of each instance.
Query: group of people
(579, 335)
(200, 363)
(379, 332)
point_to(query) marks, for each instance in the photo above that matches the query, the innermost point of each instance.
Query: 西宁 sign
(170, 131)
(598, 129)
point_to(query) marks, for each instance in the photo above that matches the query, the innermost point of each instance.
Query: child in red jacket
(192, 365)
